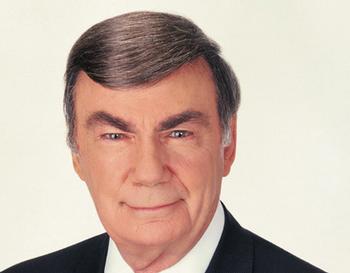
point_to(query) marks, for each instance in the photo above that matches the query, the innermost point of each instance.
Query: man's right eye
(113, 136)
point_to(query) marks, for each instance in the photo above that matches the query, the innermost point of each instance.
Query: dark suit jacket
(239, 251)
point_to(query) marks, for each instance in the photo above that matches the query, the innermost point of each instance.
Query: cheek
(200, 172)
(104, 171)
(198, 168)
(105, 175)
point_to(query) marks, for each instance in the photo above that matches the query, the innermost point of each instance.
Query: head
(151, 112)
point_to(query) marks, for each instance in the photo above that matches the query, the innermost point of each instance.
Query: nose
(150, 168)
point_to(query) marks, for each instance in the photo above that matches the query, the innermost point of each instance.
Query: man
(151, 112)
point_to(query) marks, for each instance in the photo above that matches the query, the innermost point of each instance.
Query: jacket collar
(235, 250)
(93, 257)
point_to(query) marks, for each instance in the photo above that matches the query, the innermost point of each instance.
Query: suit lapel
(234, 253)
(93, 257)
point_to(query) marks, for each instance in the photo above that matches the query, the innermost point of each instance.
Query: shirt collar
(195, 261)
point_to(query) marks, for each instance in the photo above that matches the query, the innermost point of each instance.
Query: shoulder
(64, 260)
(255, 254)
(271, 258)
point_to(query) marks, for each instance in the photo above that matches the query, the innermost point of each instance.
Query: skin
(153, 160)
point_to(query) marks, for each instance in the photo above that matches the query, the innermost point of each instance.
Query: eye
(180, 134)
(113, 136)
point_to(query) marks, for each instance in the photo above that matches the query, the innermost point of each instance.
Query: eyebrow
(102, 117)
(186, 116)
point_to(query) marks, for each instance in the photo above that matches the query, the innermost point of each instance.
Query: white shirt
(195, 261)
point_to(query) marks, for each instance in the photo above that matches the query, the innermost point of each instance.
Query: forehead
(189, 87)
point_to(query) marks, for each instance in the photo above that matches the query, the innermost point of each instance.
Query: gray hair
(140, 48)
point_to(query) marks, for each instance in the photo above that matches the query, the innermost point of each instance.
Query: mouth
(152, 208)
(153, 211)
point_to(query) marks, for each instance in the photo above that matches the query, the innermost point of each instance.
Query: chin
(155, 228)
(159, 232)
(149, 233)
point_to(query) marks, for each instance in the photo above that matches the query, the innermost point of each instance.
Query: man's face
(152, 157)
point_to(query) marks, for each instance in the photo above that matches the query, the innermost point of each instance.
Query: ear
(77, 165)
(230, 149)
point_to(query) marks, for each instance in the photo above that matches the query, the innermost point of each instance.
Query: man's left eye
(180, 134)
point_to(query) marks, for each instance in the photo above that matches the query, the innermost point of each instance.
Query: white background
(290, 182)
